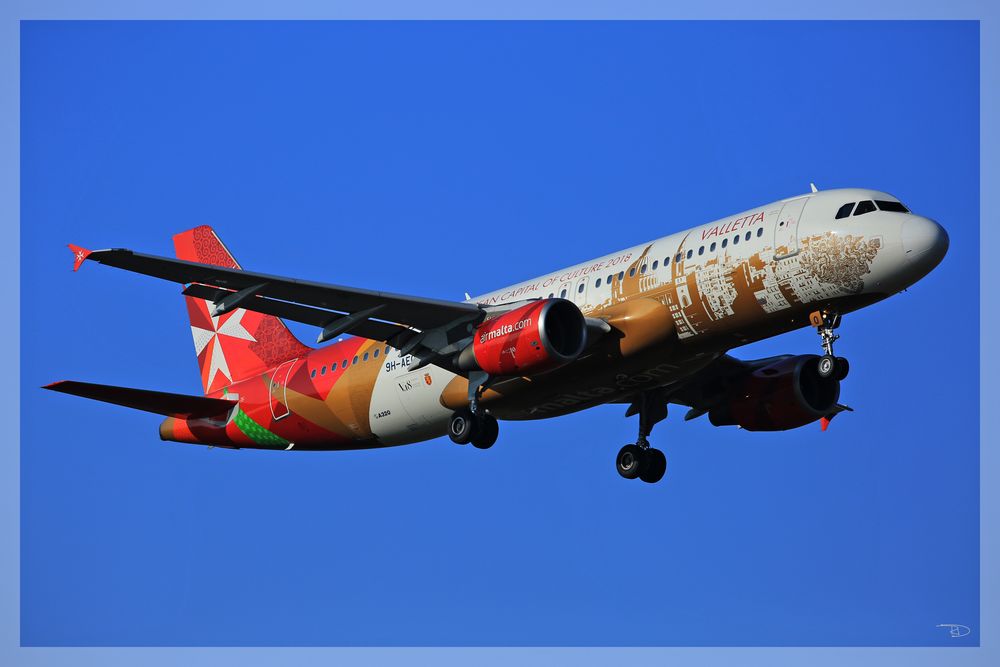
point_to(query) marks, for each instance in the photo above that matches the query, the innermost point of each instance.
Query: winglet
(79, 255)
(825, 421)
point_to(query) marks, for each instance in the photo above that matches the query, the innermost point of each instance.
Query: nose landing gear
(639, 460)
(829, 366)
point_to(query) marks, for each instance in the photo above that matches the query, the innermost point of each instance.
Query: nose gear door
(786, 230)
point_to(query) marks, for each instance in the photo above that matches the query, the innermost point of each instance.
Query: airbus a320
(645, 327)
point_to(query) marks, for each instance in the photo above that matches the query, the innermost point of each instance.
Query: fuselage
(676, 304)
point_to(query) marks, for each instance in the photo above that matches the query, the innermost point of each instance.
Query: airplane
(647, 326)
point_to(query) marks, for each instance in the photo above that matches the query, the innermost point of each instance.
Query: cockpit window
(864, 207)
(844, 211)
(893, 206)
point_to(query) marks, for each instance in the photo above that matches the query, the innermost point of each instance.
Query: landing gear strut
(473, 424)
(829, 366)
(640, 460)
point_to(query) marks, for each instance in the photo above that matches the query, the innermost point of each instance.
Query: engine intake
(530, 339)
(784, 395)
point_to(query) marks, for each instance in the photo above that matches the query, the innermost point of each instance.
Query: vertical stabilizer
(237, 344)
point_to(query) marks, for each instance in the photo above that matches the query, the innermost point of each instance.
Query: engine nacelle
(536, 337)
(784, 395)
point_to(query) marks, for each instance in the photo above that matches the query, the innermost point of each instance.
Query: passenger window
(387, 350)
(678, 257)
(375, 353)
(690, 252)
(343, 364)
(725, 242)
(864, 207)
(562, 295)
(313, 374)
(365, 358)
(711, 248)
(598, 283)
(579, 290)
(621, 276)
(701, 250)
(322, 371)
(643, 269)
(355, 360)
(844, 211)
(893, 206)
(736, 239)
(666, 260)
(760, 232)
(631, 272)
(747, 237)
(551, 294)
(656, 263)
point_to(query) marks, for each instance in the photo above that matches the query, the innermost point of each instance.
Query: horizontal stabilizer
(162, 403)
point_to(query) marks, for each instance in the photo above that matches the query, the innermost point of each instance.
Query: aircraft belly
(565, 398)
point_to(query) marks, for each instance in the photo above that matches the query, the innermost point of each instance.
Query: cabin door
(279, 389)
(786, 229)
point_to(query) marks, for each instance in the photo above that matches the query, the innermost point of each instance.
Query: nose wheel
(829, 366)
(639, 460)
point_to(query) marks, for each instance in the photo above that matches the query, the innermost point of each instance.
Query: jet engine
(536, 337)
(784, 395)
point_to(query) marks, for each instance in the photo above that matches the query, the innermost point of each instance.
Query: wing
(335, 308)
(712, 386)
(171, 405)
(706, 388)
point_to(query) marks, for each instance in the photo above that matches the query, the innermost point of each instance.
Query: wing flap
(367, 328)
(159, 402)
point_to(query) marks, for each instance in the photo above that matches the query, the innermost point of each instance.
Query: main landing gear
(640, 460)
(473, 424)
(829, 366)
(480, 429)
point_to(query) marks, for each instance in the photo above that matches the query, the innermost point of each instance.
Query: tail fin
(236, 344)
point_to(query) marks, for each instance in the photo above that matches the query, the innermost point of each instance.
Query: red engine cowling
(784, 395)
(533, 338)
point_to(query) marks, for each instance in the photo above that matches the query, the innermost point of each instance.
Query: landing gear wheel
(656, 466)
(487, 432)
(843, 367)
(630, 461)
(827, 366)
(462, 427)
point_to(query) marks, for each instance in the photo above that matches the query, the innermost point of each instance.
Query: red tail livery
(238, 344)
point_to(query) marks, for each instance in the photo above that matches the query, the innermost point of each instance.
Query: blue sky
(439, 158)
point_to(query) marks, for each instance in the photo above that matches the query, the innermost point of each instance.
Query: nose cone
(924, 242)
